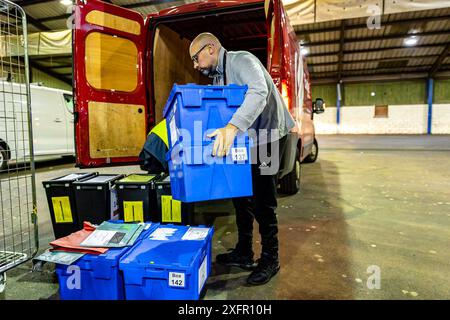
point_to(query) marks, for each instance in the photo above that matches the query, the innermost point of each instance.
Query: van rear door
(275, 41)
(111, 104)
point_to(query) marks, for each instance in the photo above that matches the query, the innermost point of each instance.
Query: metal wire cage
(18, 220)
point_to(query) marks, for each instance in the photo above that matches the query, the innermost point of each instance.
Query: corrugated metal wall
(442, 91)
(390, 93)
(327, 92)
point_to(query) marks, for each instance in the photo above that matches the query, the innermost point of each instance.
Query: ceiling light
(373, 94)
(66, 2)
(411, 41)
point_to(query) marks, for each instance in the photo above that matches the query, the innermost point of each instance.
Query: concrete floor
(368, 201)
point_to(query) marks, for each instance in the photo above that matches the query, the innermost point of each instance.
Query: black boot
(264, 271)
(237, 258)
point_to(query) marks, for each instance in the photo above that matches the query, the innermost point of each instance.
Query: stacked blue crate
(167, 266)
(96, 277)
(192, 111)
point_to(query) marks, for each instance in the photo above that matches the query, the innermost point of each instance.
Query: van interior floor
(361, 209)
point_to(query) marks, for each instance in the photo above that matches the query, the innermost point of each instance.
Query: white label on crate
(239, 154)
(176, 279)
(162, 234)
(202, 273)
(114, 205)
(173, 126)
(195, 234)
(173, 131)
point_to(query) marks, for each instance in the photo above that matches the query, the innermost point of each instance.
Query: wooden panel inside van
(172, 64)
(115, 130)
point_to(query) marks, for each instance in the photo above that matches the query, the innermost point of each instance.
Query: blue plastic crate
(208, 107)
(197, 176)
(100, 278)
(189, 158)
(172, 269)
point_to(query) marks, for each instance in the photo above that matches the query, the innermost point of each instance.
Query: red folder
(72, 242)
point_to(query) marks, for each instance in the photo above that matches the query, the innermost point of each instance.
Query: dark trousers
(261, 206)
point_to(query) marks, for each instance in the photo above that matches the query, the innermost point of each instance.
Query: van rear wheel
(3, 158)
(290, 184)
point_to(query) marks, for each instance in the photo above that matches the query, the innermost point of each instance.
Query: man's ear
(212, 49)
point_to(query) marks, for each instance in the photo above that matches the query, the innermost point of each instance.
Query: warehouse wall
(407, 108)
(48, 81)
(36, 76)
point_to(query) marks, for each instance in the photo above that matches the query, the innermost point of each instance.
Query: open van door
(275, 44)
(111, 104)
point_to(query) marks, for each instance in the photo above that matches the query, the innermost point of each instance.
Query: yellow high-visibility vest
(161, 131)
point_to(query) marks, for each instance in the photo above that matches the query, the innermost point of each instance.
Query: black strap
(225, 68)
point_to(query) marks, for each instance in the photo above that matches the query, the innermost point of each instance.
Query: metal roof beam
(341, 50)
(383, 37)
(345, 72)
(373, 78)
(435, 45)
(438, 63)
(26, 3)
(37, 23)
(54, 58)
(60, 17)
(364, 25)
(127, 6)
(372, 60)
(381, 78)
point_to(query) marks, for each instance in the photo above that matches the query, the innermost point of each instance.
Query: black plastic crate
(96, 198)
(170, 210)
(62, 205)
(137, 198)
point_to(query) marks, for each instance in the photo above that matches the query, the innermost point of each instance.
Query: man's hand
(224, 139)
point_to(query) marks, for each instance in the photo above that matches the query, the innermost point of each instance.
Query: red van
(125, 65)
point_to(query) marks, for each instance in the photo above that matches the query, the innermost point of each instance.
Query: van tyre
(3, 158)
(312, 157)
(290, 183)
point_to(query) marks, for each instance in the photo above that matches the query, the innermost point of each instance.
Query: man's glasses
(195, 56)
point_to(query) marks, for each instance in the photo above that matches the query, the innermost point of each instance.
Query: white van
(52, 122)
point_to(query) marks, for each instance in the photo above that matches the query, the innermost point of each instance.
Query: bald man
(264, 111)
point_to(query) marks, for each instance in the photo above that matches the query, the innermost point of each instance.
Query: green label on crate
(138, 178)
(133, 211)
(61, 210)
(171, 209)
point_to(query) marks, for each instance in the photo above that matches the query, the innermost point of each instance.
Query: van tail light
(285, 93)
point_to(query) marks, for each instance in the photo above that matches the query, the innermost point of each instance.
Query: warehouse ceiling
(404, 45)
(407, 45)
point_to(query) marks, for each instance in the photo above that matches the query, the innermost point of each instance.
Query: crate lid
(165, 180)
(73, 176)
(194, 93)
(137, 178)
(102, 262)
(100, 179)
(168, 246)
